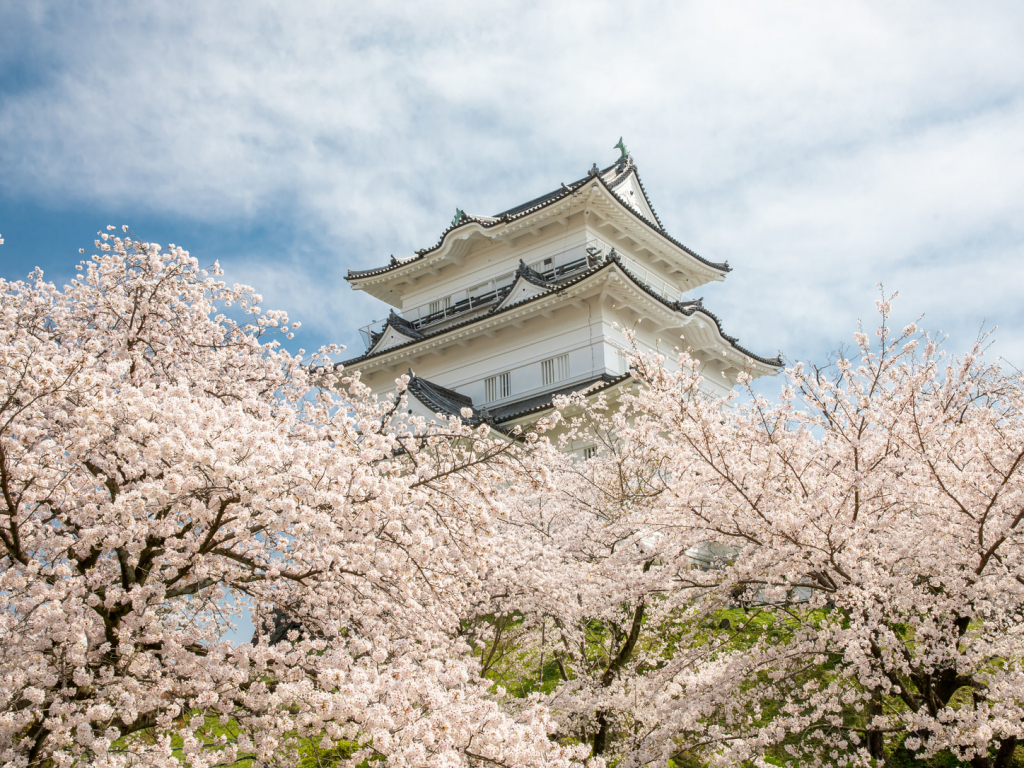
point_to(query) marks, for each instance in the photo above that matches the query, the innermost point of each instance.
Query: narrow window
(554, 369)
(497, 387)
(623, 359)
(438, 307)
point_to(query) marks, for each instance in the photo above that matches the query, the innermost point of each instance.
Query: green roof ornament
(622, 148)
(459, 213)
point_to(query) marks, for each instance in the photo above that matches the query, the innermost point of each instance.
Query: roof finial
(459, 213)
(622, 148)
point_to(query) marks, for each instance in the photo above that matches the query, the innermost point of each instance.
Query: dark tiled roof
(399, 323)
(685, 307)
(441, 399)
(450, 403)
(622, 170)
(577, 278)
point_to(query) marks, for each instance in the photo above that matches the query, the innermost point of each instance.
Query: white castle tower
(506, 311)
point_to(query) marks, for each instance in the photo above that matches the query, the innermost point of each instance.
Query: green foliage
(216, 734)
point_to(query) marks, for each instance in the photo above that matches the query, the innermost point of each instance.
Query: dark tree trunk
(601, 737)
(1004, 754)
(876, 739)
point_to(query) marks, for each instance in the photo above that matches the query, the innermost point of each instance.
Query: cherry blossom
(822, 578)
(164, 464)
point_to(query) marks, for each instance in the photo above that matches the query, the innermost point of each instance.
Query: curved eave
(442, 400)
(687, 310)
(722, 267)
(485, 224)
(775, 363)
(691, 308)
(467, 227)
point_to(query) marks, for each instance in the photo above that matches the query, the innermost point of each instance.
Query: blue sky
(818, 147)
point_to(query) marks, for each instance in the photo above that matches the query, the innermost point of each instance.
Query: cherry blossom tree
(579, 607)
(824, 579)
(164, 464)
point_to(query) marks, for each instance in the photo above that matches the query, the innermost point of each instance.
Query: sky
(819, 148)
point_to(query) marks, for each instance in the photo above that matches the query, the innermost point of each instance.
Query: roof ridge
(628, 166)
(688, 307)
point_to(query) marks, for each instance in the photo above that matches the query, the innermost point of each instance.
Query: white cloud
(818, 147)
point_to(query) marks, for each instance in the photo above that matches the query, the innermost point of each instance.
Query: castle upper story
(510, 309)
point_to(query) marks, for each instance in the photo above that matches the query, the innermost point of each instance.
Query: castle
(504, 312)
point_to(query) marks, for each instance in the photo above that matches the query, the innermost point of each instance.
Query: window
(623, 359)
(439, 306)
(590, 452)
(554, 369)
(497, 387)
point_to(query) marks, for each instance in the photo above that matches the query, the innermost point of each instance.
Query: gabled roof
(526, 284)
(610, 178)
(687, 308)
(643, 190)
(396, 329)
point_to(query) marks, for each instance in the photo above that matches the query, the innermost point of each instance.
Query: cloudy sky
(820, 148)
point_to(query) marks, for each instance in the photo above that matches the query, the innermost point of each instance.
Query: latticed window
(554, 369)
(497, 387)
